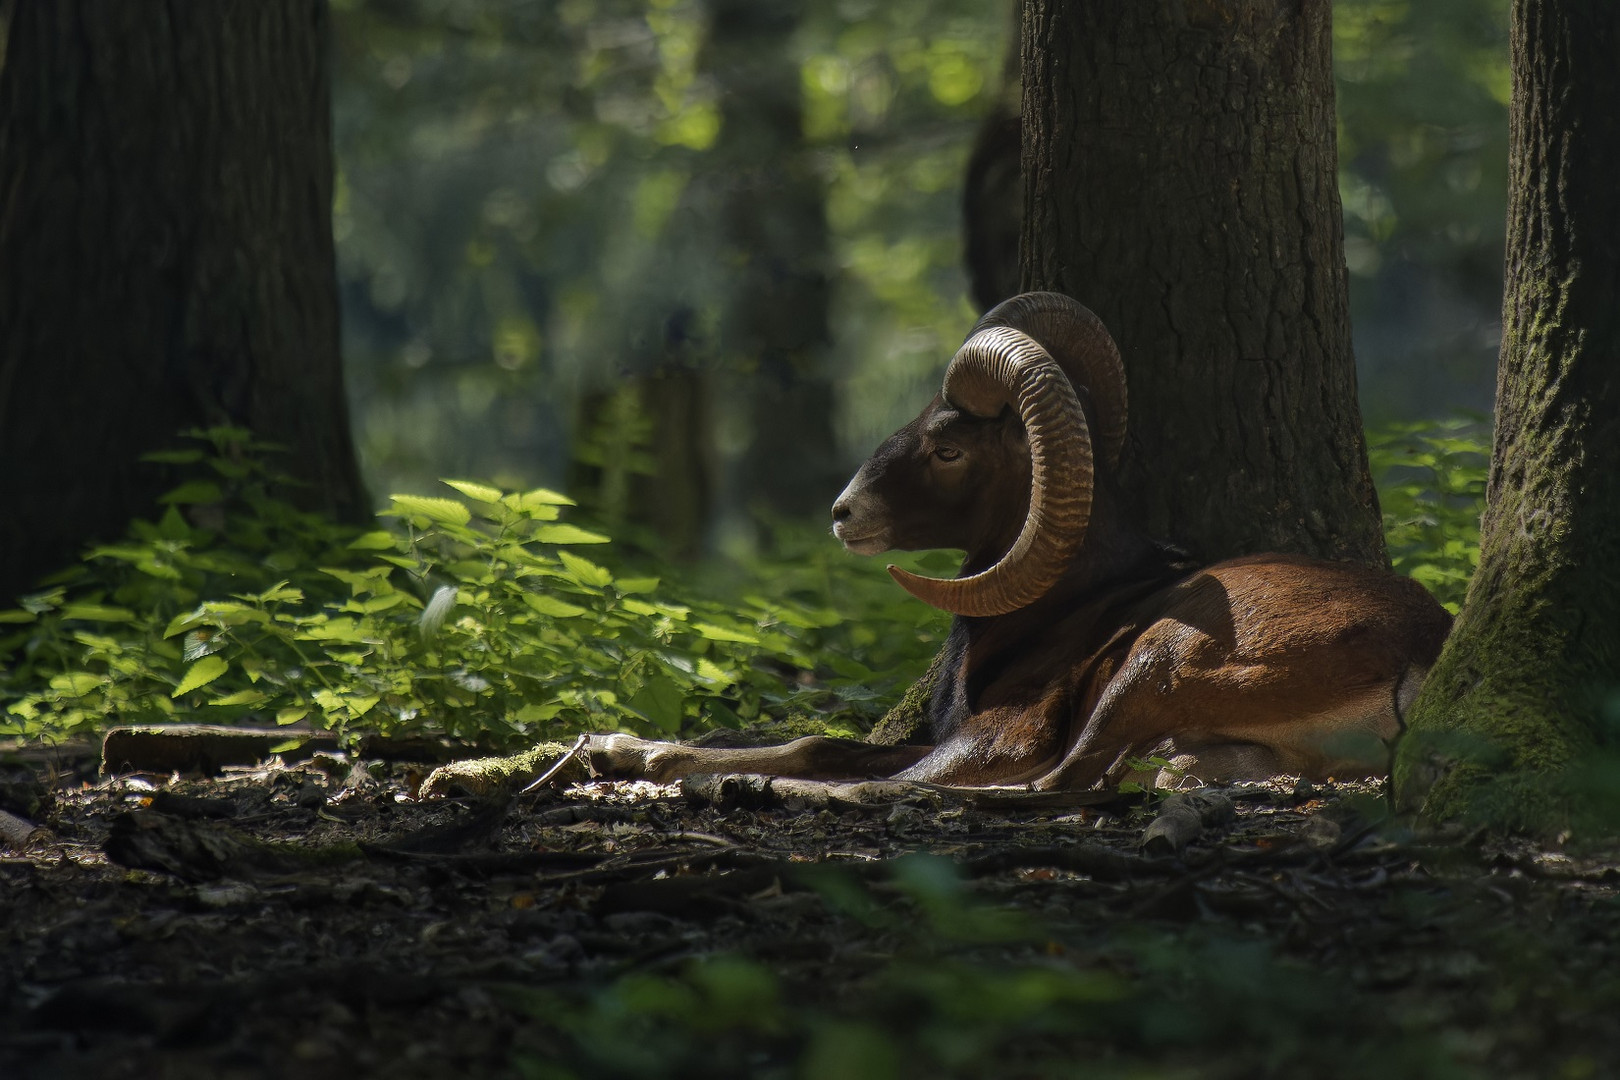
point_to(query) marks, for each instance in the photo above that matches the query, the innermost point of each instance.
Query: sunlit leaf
(443, 510)
(377, 540)
(475, 491)
(200, 674)
(242, 697)
(720, 633)
(584, 571)
(568, 534)
(551, 606)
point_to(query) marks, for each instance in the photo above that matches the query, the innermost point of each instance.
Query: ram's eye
(947, 453)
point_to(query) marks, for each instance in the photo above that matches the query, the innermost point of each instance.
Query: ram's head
(1000, 464)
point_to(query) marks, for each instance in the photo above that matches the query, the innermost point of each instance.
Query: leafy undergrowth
(1431, 485)
(615, 930)
(485, 617)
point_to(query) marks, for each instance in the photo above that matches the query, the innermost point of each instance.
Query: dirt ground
(315, 921)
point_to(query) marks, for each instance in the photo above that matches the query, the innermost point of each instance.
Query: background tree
(1519, 693)
(166, 248)
(1180, 173)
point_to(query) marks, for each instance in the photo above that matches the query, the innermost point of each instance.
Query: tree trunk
(166, 254)
(1180, 173)
(1517, 695)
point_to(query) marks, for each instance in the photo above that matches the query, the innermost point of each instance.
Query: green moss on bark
(1509, 727)
(907, 722)
(485, 776)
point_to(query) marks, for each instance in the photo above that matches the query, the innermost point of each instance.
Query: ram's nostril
(841, 511)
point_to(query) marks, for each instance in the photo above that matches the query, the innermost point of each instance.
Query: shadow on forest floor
(313, 921)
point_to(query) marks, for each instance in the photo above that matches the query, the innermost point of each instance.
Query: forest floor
(313, 920)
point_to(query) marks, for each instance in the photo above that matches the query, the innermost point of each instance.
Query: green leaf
(200, 674)
(377, 540)
(242, 697)
(445, 510)
(193, 492)
(173, 457)
(550, 605)
(584, 571)
(709, 670)
(281, 592)
(720, 633)
(569, 534)
(97, 613)
(77, 683)
(534, 714)
(17, 616)
(627, 585)
(172, 525)
(286, 746)
(292, 714)
(188, 621)
(660, 700)
(478, 492)
(533, 500)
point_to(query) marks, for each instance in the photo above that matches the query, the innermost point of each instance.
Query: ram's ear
(1082, 346)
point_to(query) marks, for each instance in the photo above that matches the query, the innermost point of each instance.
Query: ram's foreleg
(814, 757)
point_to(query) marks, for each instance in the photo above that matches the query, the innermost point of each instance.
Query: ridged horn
(995, 368)
(1075, 336)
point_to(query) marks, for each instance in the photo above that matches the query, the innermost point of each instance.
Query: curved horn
(995, 368)
(1071, 333)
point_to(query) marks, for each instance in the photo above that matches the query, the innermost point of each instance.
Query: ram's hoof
(627, 757)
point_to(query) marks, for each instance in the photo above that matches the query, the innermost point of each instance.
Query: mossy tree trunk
(1181, 180)
(1518, 694)
(166, 258)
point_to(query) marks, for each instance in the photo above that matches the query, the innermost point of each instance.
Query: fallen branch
(1183, 818)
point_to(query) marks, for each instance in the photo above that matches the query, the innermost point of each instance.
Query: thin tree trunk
(775, 326)
(166, 258)
(1180, 173)
(1518, 693)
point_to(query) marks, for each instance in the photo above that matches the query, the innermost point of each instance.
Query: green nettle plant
(1431, 484)
(489, 618)
(477, 617)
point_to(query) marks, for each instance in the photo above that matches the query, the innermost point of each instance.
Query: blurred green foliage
(532, 202)
(1118, 994)
(531, 206)
(1422, 100)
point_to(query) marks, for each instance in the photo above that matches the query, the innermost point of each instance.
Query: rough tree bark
(1180, 172)
(166, 258)
(1518, 693)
